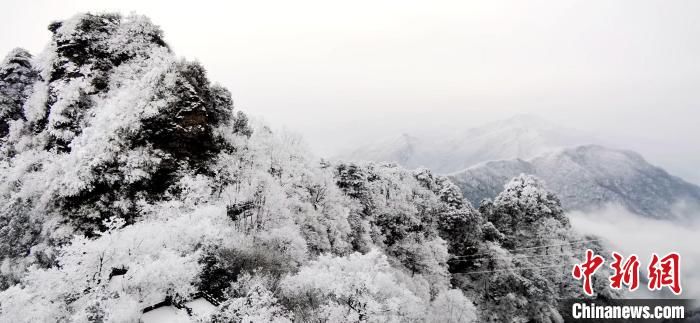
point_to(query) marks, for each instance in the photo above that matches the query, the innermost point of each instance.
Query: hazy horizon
(343, 75)
(203, 161)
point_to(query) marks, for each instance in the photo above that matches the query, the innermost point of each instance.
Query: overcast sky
(342, 73)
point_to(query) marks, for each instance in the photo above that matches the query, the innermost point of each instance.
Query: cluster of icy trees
(126, 179)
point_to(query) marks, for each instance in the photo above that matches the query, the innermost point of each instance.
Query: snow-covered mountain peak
(587, 177)
(521, 136)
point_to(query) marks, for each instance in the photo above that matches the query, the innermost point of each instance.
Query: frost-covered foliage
(113, 121)
(127, 179)
(360, 288)
(16, 78)
(452, 306)
(351, 289)
(522, 206)
(522, 269)
(160, 258)
(251, 300)
(416, 217)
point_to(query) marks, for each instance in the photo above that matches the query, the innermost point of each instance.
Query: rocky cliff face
(104, 118)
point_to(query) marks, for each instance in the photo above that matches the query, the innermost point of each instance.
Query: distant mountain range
(522, 136)
(584, 174)
(587, 177)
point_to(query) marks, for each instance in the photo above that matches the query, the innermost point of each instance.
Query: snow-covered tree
(457, 221)
(452, 306)
(522, 206)
(351, 289)
(17, 77)
(252, 301)
(522, 268)
(409, 214)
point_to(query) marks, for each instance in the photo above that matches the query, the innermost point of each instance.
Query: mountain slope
(523, 136)
(127, 181)
(587, 177)
(119, 159)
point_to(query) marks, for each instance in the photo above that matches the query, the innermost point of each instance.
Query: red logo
(587, 269)
(625, 273)
(663, 272)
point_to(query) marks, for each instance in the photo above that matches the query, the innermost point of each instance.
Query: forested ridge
(119, 158)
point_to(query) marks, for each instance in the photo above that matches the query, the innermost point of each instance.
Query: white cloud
(629, 233)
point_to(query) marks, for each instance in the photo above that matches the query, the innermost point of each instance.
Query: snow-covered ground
(170, 314)
(201, 307)
(166, 314)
